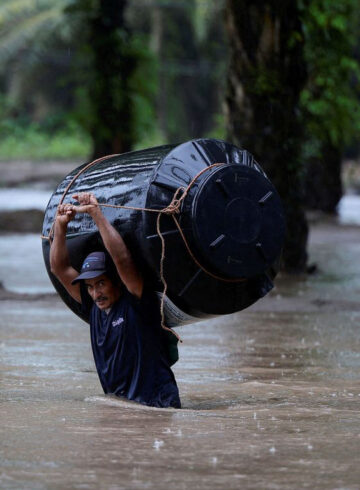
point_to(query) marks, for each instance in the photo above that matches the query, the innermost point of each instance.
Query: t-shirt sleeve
(148, 306)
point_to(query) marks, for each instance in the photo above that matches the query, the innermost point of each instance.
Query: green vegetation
(110, 78)
(35, 110)
(34, 142)
(330, 99)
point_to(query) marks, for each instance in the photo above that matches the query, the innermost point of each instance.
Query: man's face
(103, 292)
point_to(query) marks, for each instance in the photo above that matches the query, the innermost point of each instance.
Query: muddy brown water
(271, 395)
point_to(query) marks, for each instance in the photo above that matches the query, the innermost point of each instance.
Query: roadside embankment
(19, 214)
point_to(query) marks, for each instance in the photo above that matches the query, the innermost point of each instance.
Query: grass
(33, 142)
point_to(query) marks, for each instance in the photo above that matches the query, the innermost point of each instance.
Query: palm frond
(12, 11)
(31, 30)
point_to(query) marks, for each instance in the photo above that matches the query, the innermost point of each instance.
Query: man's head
(103, 291)
(99, 280)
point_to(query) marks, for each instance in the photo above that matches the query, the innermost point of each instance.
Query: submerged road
(271, 395)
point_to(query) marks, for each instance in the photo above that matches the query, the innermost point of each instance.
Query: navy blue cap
(94, 265)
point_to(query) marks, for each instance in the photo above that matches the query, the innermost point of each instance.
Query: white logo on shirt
(117, 322)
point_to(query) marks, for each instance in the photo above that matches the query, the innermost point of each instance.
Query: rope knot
(174, 206)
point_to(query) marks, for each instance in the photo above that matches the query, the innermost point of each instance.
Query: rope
(172, 209)
(163, 280)
(89, 165)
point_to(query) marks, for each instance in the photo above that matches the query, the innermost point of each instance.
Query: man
(125, 327)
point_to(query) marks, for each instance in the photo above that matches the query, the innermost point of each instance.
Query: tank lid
(238, 222)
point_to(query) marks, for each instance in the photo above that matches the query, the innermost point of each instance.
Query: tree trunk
(266, 75)
(323, 179)
(112, 124)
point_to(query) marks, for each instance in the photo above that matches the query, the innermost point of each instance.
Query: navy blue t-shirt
(127, 344)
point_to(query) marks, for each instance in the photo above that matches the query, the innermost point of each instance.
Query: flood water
(271, 395)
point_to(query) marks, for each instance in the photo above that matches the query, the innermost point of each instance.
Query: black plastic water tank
(231, 217)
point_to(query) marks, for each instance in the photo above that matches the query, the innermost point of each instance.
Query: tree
(109, 114)
(189, 43)
(330, 99)
(267, 73)
(34, 46)
(84, 50)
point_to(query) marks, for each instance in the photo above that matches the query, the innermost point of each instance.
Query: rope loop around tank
(173, 209)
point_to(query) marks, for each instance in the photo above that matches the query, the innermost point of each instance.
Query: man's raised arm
(113, 242)
(59, 256)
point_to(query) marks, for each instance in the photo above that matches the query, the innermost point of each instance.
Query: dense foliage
(52, 67)
(330, 99)
(180, 55)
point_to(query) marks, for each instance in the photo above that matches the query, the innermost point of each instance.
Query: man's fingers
(61, 209)
(66, 210)
(85, 198)
(78, 197)
(81, 196)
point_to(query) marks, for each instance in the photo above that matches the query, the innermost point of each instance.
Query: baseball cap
(94, 265)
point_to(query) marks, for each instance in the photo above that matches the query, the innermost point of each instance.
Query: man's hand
(87, 203)
(65, 213)
(59, 255)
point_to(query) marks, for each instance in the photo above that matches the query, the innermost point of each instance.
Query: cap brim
(88, 275)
